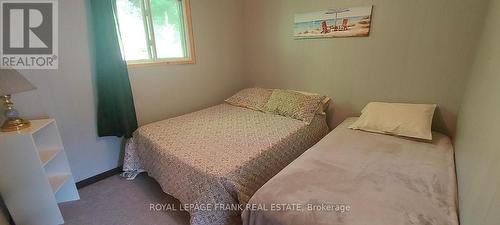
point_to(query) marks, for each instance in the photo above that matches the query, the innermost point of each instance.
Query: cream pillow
(408, 120)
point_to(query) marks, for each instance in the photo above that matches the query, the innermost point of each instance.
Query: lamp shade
(12, 82)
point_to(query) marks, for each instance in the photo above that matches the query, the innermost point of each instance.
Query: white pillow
(408, 120)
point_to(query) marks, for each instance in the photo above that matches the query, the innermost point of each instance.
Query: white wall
(165, 91)
(160, 92)
(418, 51)
(477, 144)
(66, 94)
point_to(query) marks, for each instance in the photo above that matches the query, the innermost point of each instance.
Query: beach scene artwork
(346, 22)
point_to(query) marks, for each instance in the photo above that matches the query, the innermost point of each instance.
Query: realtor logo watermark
(29, 34)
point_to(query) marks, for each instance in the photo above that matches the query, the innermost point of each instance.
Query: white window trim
(190, 50)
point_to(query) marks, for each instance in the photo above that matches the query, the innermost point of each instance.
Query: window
(155, 31)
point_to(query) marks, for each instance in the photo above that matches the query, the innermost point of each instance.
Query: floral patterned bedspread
(220, 156)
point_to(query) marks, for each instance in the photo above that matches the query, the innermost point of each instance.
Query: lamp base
(15, 124)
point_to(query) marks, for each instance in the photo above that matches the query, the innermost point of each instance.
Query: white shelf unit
(35, 175)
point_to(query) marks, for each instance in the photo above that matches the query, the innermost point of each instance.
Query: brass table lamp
(12, 82)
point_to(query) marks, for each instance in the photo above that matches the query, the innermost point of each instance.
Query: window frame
(188, 39)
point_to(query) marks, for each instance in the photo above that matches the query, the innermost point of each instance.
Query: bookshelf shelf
(42, 177)
(47, 155)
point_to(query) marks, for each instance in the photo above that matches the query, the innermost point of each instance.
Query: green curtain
(115, 104)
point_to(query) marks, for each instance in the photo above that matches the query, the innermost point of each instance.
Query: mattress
(215, 159)
(357, 178)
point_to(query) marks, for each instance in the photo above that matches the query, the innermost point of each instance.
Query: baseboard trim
(98, 177)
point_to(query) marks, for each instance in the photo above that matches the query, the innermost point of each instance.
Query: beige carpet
(115, 201)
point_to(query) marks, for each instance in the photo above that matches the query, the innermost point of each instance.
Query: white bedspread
(385, 180)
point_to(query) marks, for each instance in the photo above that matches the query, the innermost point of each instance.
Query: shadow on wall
(4, 214)
(444, 121)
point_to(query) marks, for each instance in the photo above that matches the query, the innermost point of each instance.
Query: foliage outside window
(155, 31)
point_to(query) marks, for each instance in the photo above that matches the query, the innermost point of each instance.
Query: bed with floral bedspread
(219, 156)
